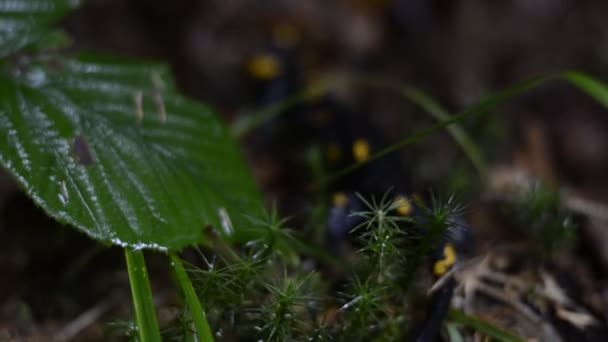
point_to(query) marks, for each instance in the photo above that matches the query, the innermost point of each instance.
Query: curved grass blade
(483, 106)
(432, 108)
(194, 305)
(588, 85)
(584, 82)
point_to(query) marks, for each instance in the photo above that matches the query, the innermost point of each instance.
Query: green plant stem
(145, 313)
(196, 310)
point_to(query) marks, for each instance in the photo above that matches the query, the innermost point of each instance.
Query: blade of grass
(483, 327)
(196, 310)
(592, 87)
(145, 313)
(467, 144)
(587, 84)
(243, 126)
(432, 108)
(485, 105)
(418, 97)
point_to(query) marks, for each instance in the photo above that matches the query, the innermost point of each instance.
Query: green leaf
(113, 150)
(23, 22)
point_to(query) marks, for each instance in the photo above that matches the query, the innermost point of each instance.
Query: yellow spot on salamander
(450, 254)
(439, 268)
(340, 199)
(334, 153)
(403, 205)
(449, 259)
(264, 67)
(361, 150)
